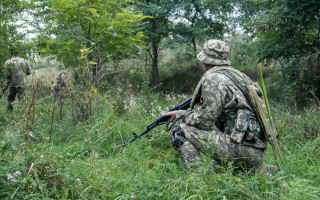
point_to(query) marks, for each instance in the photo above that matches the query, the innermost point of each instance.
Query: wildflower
(132, 197)
(39, 162)
(78, 180)
(41, 156)
(30, 133)
(16, 173)
(131, 71)
(47, 167)
(9, 176)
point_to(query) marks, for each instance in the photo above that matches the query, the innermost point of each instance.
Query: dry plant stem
(31, 107)
(52, 117)
(60, 105)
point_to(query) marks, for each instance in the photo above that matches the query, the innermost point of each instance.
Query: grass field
(88, 158)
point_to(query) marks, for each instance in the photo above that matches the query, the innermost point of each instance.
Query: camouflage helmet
(215, 52)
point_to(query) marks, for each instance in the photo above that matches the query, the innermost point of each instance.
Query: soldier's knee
(177, 136)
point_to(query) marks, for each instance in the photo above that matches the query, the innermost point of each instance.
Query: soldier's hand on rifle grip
(172, 115)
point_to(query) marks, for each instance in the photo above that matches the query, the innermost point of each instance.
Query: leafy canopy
(106, 27)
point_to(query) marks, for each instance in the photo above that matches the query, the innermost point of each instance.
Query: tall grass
(89, 159)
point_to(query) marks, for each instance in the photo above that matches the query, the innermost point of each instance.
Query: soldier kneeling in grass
(238, 138)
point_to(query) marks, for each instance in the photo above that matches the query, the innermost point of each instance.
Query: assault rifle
(4, 89)
(161, 120)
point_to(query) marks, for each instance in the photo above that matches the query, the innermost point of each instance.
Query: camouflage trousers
(190, 141)
(13, 92)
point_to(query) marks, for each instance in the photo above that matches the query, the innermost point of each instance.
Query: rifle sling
(239, 85)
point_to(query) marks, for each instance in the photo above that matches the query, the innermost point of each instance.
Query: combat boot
(264, 169)
(215, 167)
(10, 107)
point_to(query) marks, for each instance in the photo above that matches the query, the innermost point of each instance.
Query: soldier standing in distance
(58, 86)
(238, 136)
(16, 70)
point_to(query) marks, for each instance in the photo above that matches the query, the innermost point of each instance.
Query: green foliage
(89, 160)
(10, 37)
(284, 28)
(157, 28)
(283, 34)
(108, 30)
(198, 21)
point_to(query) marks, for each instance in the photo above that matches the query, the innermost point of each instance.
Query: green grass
(89, 159)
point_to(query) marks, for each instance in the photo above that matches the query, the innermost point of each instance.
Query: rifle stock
(160, 120)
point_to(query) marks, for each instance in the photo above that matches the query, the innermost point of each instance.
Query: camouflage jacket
(220, 101)
(16, 70)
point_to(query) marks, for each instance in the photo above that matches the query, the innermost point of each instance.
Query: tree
(104, 31)
(10, 38)
(284, 28)
(157, 28)
(287, 31)
(202, 20)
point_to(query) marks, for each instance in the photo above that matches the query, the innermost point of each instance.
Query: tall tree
(201, 20)
(287, 31)
(283, 28)
(10, 37)
(157, 28)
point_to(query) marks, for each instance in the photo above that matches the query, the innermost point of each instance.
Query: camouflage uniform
(16, 70)
(58, 86)
(223, 126)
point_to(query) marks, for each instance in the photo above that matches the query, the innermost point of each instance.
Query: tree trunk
(195, 49)
(193, 38)
(156, 79)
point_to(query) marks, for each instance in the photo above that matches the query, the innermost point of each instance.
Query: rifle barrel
(182, 106)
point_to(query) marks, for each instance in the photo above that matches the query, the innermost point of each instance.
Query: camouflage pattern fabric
(215, 52)
(16, 70)
(13, 92)
(223, 126)
(219, 146)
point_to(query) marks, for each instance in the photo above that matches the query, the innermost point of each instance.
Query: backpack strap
(239, 84)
